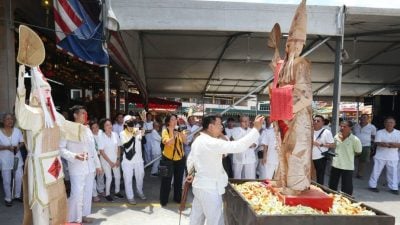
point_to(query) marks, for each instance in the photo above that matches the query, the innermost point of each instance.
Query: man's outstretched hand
(258, 122)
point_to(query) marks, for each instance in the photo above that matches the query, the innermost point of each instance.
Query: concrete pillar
(7, 58)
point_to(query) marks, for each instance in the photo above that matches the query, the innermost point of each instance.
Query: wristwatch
(321, 145)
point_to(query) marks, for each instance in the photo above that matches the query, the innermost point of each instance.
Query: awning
(157, 104)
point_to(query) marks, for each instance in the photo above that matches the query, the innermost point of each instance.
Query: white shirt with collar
(245, 157)
(229, 132)
(269, 139)
(69, 149)
(206, 158)
(364, 133)
(117, 128)
(323, 138)
(385, 153)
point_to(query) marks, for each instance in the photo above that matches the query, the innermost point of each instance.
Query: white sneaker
(132, 201)
(142, 196)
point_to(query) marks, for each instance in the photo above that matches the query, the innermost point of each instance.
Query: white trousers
(128, 169)
(206, 206)
(6, 175)
(18, 181)
(147, 150)
(94, 191)
(267, 171)
(117, 177)
(156, 153)
(40, 215)
(391, 173)
(248, 171)
(88, 194)
(100, 183)
(81, 189)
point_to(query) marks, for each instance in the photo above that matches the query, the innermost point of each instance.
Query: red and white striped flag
(66, 19)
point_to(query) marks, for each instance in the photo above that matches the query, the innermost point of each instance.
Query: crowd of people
(109, 149)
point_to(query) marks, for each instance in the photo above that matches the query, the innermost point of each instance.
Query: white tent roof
(177, 46)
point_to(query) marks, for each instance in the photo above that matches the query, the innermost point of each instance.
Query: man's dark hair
(319, 116)
(230, 119)
(348, 122)
(390, 118)
(76, 108)
(208, 120)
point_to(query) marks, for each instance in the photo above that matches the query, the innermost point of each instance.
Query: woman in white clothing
(131, 139)
(98, 187)
(110, 158)
(155, 147)
(10, 141)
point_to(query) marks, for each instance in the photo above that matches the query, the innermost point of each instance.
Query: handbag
(166, 166)
(129, 148)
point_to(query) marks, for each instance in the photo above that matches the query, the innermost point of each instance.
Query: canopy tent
(197, 48)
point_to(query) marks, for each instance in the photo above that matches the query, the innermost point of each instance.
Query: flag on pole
(77, 34)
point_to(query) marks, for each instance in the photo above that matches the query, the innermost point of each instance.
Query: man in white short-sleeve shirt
(388, 143)
(270, 160)
(244, 162)
(323, 140)
(366, 133)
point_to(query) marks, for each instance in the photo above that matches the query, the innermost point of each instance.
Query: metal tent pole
(106, 69)
(337, 83)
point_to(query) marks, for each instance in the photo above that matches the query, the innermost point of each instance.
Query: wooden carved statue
(292, 93)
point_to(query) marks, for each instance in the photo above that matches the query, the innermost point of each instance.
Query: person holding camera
(10, 141)
(323, 140)
(132, 160)
(347, 147)
(173, 155)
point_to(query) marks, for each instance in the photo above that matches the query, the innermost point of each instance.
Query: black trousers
(347, 180)
(178, 171)
(320, 165)
(227, 164)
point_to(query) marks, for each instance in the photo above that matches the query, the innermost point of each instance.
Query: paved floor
(149, 212)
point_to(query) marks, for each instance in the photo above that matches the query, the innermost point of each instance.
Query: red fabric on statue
(282, 103)
(281, 98)
(55, 168)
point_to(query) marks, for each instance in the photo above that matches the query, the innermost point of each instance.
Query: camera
(329, 154)
(181, 128)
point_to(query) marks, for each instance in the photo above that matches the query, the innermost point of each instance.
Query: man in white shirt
(270, 160)
(191, 127)
(230, 126)
(323, 140)
(82, 163)
(210, 178)
(388, 143)
(148, 128)
(245, 160)
(366, 133)
(118, 126)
